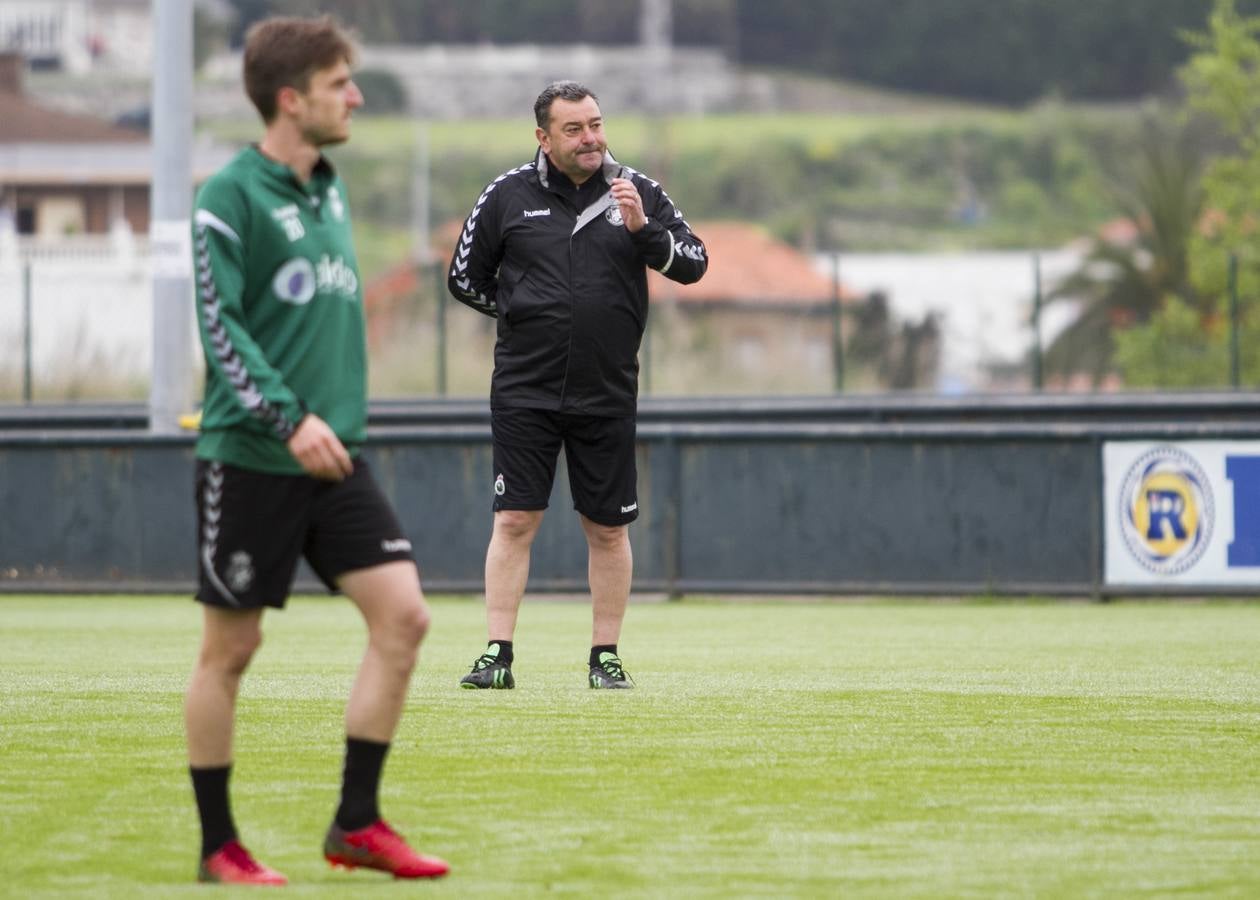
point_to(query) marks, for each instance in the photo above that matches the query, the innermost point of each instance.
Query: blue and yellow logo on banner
(1166, 510)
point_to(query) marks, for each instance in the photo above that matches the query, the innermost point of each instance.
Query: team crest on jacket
(613, 215)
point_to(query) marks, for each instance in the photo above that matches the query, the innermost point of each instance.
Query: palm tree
(1125, 277)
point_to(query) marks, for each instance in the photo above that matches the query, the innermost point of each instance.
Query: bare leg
(507, 569)
(229, 640)
(397, 618)
(610, 568)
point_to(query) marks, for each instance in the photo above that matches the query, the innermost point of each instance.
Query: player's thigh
(353, 527)
(390, 598)
(230, 637)
(250, 530)
(526, 446)
(603, 474)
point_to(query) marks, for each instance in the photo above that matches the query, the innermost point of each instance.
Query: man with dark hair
(279, 475)
(558, 251)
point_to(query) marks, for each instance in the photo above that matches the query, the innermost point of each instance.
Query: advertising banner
(1181, 513)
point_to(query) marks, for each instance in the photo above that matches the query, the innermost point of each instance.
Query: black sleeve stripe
(677, 247)
(459, 265)
(230, 362)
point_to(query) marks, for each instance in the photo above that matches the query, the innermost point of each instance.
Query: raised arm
(667, 242)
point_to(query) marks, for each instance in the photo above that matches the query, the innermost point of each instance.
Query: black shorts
(253, 527)
(598, 450)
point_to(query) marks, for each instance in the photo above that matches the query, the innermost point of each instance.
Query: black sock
(210, 786)
(504, 653)
(360, 780)
(602, 648)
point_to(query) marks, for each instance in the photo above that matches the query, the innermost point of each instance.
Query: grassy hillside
(943, 176)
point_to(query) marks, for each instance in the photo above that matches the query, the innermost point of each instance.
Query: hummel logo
(631, 508)
(400, 545)
(530, 213)
(289, 219)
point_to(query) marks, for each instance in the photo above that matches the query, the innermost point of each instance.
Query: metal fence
(75, 318)
(76, 324)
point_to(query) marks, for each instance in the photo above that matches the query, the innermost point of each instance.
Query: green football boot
(489, 672)
(609, 673)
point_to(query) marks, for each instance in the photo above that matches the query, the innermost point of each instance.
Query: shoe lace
(612, 668)
(484, 661)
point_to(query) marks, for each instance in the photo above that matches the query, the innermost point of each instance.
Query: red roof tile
(747, 264)
(23, 122)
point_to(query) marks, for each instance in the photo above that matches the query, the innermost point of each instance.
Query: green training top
(280, 311)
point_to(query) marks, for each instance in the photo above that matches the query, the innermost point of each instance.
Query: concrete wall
(735, 497)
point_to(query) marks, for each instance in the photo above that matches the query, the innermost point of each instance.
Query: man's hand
(626, 195)
(319, 450)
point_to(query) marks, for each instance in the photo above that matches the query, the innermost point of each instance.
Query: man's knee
(231, 652)
(605, 537)
(517, 525)
(397, 636)
(411, 622)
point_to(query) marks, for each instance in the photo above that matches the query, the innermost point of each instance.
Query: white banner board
(1181, 513)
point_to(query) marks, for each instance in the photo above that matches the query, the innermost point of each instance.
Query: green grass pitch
(887, 749)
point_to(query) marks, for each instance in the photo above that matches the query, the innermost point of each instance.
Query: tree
(1186, 345)
(1223, 82)
(1013, 51)
(1177, 348)
(1123, 282)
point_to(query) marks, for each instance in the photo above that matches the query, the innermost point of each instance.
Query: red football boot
(232, 864)
(379, 847)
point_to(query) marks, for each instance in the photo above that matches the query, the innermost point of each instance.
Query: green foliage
(1013, 52)
(770, 750)
(964, 179)
(1187, 343)
(1223, 75)
(1175, 349)
(1223, 81)
(1009, 52)
(209, 34)
(383, 93)
(1123, 282)
(1185, 347)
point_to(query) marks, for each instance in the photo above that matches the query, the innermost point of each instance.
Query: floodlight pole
(656, 29)
(170, 240)
(656, 41)
(656, 24)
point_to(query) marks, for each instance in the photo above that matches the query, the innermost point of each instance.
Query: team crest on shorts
(1166, 510)
(613, 215)
(499, 486)
(240, 572)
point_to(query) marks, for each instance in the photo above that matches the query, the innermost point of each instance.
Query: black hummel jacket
(568, 284)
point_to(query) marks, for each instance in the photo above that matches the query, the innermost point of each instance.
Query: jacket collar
(322, 174)
(611, 168)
